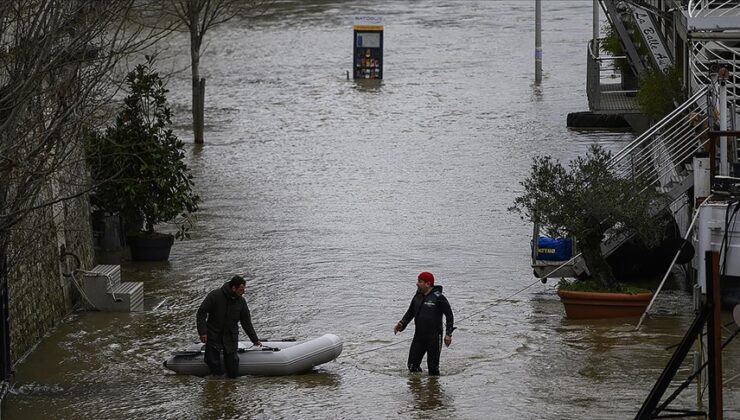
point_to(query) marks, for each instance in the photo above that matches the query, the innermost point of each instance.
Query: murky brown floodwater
(331, 196)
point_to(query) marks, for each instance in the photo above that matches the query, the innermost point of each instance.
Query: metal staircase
(639, 33)
(638, 30)
(711, 30)
(618, 14)
(662, 156)
(103, 288)
(714, 27)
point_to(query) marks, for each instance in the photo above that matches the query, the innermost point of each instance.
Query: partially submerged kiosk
(368, 48)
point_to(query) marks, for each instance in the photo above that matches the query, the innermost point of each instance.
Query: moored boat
(272, 359)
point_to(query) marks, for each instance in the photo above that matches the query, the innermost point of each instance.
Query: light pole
(537, 42)
(596, 27)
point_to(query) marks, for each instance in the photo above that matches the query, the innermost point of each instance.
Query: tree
(142, 160)
(199, 16)
(590, 202)
(57, 59)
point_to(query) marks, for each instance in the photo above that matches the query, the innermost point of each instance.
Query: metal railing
(658, 154)
(601, 70)
(708, 54)
(659, 157)
(712, 54)
(713, 8)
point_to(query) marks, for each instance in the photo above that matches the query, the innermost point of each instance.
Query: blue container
(554, 249)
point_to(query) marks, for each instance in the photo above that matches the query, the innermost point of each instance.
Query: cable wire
(496, 302)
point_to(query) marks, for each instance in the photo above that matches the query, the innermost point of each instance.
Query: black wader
(213, 360)
(431, 344)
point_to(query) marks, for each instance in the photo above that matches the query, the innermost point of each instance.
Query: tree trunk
(201, 108)
(597, 264)
(5, 362)
(198, 89)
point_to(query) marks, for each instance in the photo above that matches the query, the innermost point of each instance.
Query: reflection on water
(368, 85)
(428, 394)
(330, 196)
(219, 399)
(315, 379)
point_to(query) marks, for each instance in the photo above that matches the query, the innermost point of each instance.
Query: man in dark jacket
(427, 308)
(217, 325)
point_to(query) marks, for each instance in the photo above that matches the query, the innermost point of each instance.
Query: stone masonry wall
(39, 295)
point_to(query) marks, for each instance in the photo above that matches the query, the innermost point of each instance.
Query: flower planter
(150, 247)
(585, 305)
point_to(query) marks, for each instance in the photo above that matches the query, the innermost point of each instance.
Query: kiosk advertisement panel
(368, 48)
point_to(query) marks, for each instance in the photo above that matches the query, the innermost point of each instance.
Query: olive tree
(589, 201)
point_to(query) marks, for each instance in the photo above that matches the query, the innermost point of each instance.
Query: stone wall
(39, 295)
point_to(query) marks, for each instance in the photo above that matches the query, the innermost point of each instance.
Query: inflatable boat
(273, 358)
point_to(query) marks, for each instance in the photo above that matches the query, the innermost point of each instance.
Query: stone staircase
(104, 289)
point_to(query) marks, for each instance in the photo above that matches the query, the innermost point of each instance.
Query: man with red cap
(427, 308)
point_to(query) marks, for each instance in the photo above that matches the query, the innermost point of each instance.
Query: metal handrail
(706, 8)
(701, 57)
(683, 136)
(653, 157)
(599, 57)
(647, 135)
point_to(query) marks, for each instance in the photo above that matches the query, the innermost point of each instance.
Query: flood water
(330, 196)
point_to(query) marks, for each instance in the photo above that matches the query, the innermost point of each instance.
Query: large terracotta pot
(584, 305)
(150, 247)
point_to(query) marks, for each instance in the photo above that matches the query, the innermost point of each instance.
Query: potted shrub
(589, 202)
(138, 167)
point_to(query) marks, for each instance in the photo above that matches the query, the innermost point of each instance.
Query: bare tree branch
(57, 59)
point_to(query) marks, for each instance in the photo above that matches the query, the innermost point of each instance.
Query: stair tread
(112, 272)
(128, 287)
(106, 269)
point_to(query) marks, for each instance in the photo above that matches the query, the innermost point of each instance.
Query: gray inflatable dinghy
(272, 359)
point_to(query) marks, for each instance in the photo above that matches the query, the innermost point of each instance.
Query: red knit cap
(426, 276)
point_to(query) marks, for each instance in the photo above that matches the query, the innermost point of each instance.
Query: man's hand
(258, 344)
(203, 338)
(448, 340)
(397, 328)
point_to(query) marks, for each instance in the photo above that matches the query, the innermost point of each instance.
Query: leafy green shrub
(610, 44)
(660, 92)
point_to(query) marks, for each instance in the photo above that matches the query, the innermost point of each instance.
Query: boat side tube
(273, 358)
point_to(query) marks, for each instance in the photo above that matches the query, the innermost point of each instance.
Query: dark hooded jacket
(218, 316)
(427, 311)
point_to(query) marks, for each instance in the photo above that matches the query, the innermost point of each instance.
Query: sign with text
(368, 20)
(652, 37)
(368, 23)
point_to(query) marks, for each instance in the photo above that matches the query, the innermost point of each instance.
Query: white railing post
(723, 162)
